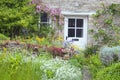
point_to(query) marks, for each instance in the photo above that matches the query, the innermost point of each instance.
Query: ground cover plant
(18, 65)
(109, 73)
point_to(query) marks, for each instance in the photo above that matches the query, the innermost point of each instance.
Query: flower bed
(19, 66)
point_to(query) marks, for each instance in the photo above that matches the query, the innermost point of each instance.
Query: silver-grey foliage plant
(109, 55)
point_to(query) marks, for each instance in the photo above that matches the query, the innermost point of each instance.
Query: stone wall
(80, 6)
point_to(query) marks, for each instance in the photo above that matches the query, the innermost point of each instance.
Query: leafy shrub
(109, 73)
(3, 37)
(109, 55)
(78, 60)
(89, 50)
(94, 64)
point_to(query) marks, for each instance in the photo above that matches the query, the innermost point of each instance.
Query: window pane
(79, 23)
(79, 33)
(71, 32)
(71, 22)
(44, 17)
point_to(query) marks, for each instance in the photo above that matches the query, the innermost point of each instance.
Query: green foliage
(94, 64)
(107, 26)
(16, 65)
(3, 37)
(78, 60)
(90, 50)
(109, 73)
(15, 15)
(45, 31)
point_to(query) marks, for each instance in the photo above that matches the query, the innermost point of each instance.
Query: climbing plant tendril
(107, 26)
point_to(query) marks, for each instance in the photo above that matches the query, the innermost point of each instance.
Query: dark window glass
(71, 22)
(71, 32)
(79, 23)
(79, 33)
(44, 17)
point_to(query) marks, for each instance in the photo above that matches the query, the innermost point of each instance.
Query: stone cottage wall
(80, 6)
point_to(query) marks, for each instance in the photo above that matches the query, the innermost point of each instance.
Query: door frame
(84, 27)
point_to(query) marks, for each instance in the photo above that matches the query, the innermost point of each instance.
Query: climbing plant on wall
(53, 14)
(107, 25)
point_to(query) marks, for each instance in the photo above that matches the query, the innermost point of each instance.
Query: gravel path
(86, 74)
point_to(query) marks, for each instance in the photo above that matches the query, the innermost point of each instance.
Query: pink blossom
(52, 12)
(55, 11)
(46, 9)
(32, 2)
(38, 7)
(54, 18)
(61, 22)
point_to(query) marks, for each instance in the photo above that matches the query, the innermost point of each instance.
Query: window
(44, 19)
(75, 27)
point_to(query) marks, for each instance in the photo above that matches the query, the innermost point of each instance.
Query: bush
(90, 50)
(3, 37)
(78, 60)
(109, 55)
(94, 64)
(109, 73)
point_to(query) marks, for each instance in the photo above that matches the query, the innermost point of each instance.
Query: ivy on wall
(107, 25)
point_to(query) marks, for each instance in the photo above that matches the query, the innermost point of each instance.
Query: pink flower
(61, 22)
(54, 18)
(38, 7)
(32, 2)
(46, 9)
(52, 12)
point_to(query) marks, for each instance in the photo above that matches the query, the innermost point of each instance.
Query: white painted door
(75, 30)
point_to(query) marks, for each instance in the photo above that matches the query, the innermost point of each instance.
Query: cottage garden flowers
(19, 66)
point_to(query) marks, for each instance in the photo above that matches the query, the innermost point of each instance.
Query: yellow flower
(40, 39)
(4, 49)
(119, 41)
(60, 38)
(76, 47)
